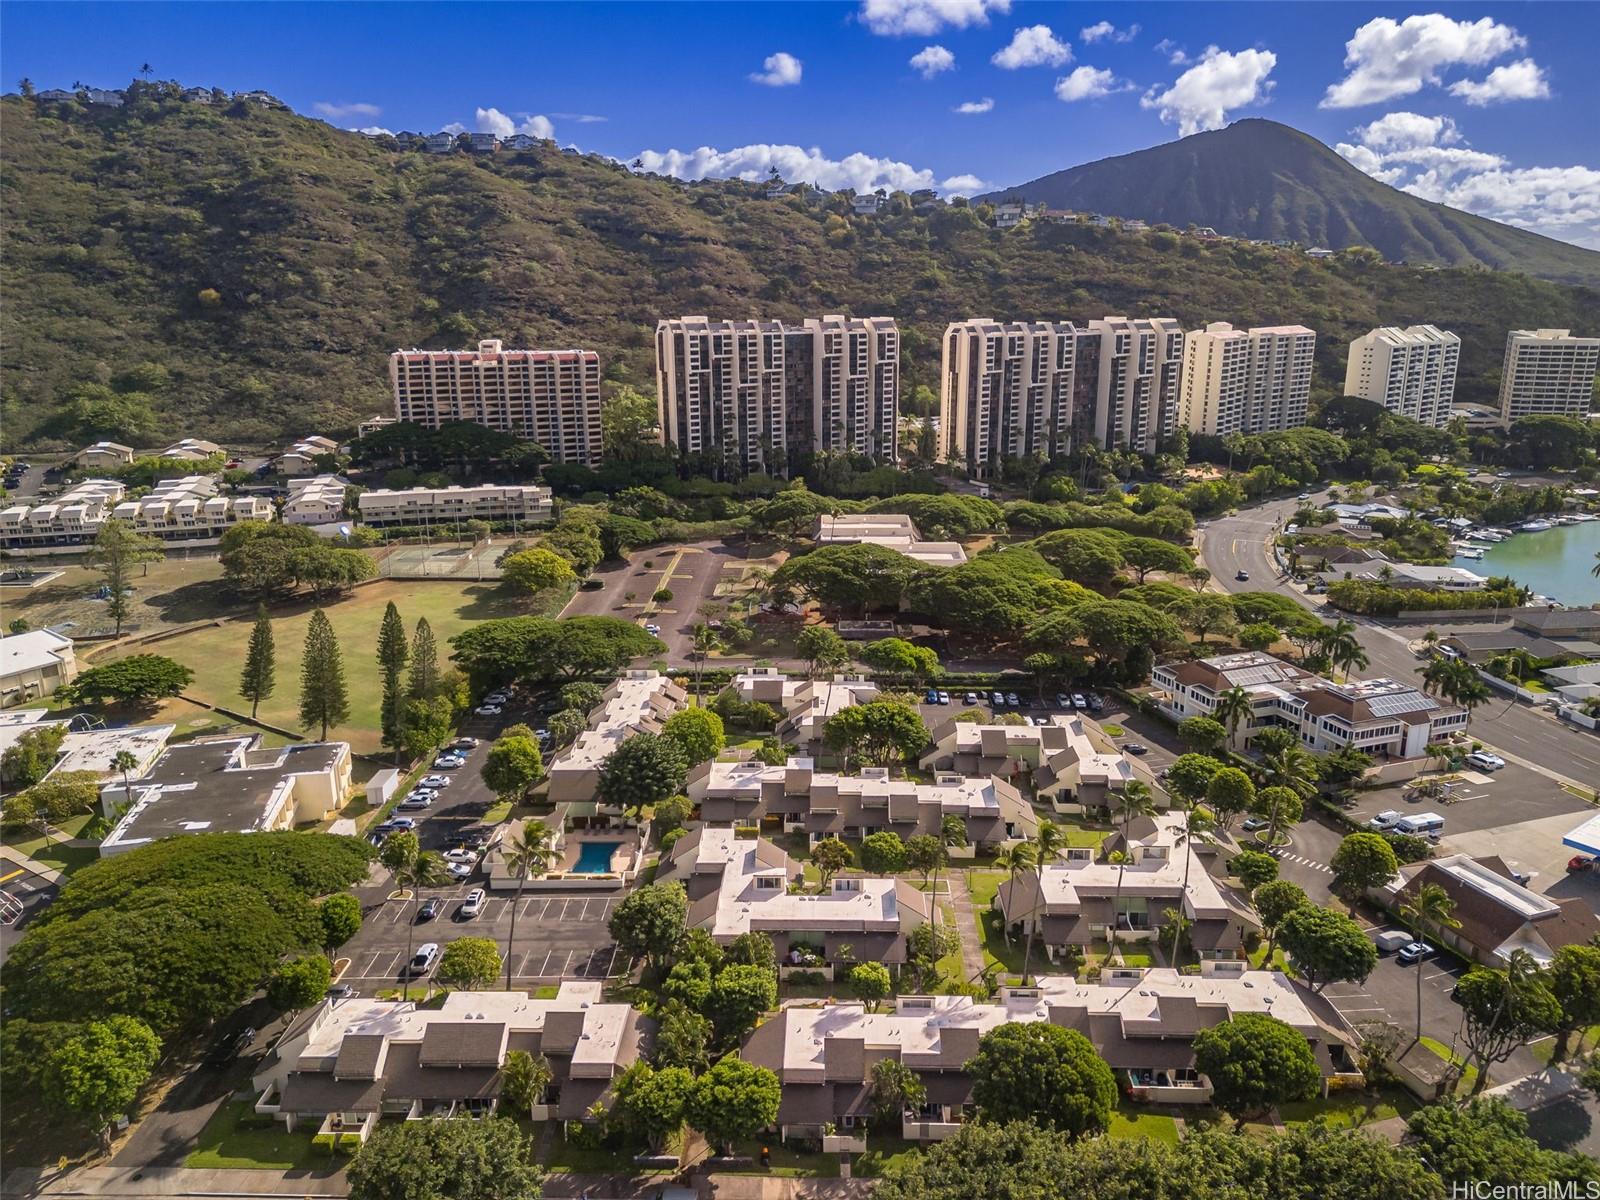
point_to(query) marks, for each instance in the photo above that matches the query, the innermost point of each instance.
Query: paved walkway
(116, 1183)
(966, 925)
(12, 854)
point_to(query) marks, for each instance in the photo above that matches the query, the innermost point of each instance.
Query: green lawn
(1468, 1076)
(786, 1163)
(66, 859)
(231, 1142)
(882, 1152)
(566, 1159)
(1132, 1121)
(1577, 1044)
(449, 605)
(1351, 1109)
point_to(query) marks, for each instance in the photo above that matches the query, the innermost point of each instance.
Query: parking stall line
(566, 964)
(544, 912)
(544, 967)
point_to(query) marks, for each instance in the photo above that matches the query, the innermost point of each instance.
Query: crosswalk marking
(1304, 861)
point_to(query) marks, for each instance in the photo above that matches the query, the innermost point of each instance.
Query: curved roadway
(1516, 731)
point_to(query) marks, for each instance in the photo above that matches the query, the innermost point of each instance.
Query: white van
(1428, 824)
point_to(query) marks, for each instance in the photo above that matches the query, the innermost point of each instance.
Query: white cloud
(373, 130)
(895, 18)
(962, 185)
(1032, 46)
(1201, 97)
(492, 120)
(1176, 55)
(1427, 157)
(338, 112)
(973, 107)
(580, 118)
(782, 70)
(1088, 83)
(453, 127)
(1522, 80)
(862, 172)
(1387, 58)
(931, 60)
(1105, 29)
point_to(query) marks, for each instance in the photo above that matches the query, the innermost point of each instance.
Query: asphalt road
(1517, 731)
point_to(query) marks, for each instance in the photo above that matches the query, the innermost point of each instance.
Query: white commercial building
(551, 397)
(1547, 372)
(893, 531)
(34, 664)
(93, 750)
(1382, 717)
(1246, 381)
(1411, 372)
(516, 503)
(318, 500)
(753, 395)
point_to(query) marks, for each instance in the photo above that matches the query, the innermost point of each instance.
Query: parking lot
(24, 894)
(1389, 994)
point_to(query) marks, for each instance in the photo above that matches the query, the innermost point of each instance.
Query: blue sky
(1489, 107)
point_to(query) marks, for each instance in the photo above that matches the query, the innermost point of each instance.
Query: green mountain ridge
(1260, 179)
(271, 263)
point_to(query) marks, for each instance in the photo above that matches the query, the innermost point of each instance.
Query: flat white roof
(32, 651)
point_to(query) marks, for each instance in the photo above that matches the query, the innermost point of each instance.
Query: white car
(461, 855)
(1485, 760)
(1387, 819)
(497, 697)
(472, 906)
(448, 762)
(433, 782)
(652, 628)
(488, 710)
(459, 870)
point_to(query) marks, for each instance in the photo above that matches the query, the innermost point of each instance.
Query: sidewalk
(113, 1183)
(966, 925)
(13, 855)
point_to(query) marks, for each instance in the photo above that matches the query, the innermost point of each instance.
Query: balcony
(913, 1129)
(844, 1143)
(1182, 1086)
(342, 1127)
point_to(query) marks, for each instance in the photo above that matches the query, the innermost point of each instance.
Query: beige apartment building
(447, 506)
(1136, 392)
(1411, 372)
(104, 456)
(754, 395)
(1547, 372)
(1247, 381)
(175, 510)
(551, 397)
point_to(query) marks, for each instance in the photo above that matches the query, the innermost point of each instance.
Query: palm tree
(952, 833)
(527, 851)
(1233, 705)
(1430, 909)
(125, 761)
(414, 869)
(1137, 800)
(1595, 570)
(705, 641)
(1438, 676)
(1047, 843)
(1013, 860)
(1293, 768)
(1196, 831)
(1342, 647)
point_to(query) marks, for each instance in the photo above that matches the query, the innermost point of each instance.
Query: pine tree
(424, 662)
(117, 549)
(324, 698)
(392, 655)
(260, 673)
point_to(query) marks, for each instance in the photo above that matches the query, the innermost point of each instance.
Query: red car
(1578, 863)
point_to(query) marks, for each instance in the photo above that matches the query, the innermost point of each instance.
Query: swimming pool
(594, 858)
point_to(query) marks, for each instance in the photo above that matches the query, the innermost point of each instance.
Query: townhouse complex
(314, 500)
(1025, 388)
(804, 705)
(1547, 372)
(1246, 381)
(1141, 1021)
(187, 510)
(495, 503)
(551, 397)
(639, 701)
(1411, 372)
(1067, 769)
(755, 395)
(1381, 717)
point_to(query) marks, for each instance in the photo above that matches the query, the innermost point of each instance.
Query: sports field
(216, 654)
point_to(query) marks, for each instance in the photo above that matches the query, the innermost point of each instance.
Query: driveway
(692, 573)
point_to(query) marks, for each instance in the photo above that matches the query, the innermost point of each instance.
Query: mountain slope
(1260, 179)
(271, 263)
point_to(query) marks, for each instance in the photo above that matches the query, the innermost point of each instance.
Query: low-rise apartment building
(520, 504)
(1409, 575)
(1547, 372)
(232, 785)
(798, 798)
(892, 531)
(806, 704)
(318, 500)
(1060, 758)
(741, 885)
(175, 510)
(640, 701)
(104, 456)
(1142, 1022)
(1382, 717)
(35, 664)
(301, 458)
(1075, 902)
(345, 1064)
(190, 510)
(1411, 372)
(192, 450)
(551, 397)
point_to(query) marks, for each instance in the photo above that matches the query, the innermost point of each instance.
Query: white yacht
(1538, 526)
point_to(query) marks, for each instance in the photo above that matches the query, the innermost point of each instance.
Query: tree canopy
(440, 1159)
(139, 679)
(1254, 1061)
(542, 649)
(1038, 1071)
(644, 770)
